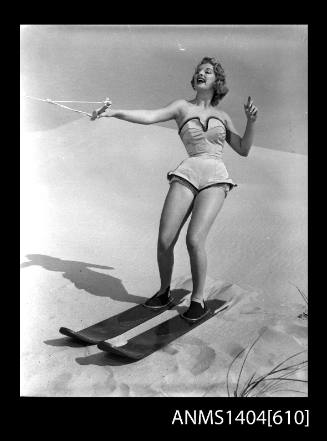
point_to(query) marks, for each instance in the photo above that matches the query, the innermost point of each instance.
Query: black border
(141, 415)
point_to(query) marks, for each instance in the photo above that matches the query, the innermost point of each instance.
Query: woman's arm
(146, 116)
(242, 145)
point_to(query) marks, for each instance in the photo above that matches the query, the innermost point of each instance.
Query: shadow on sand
(103, 359)
(66, 341)
(82, 276)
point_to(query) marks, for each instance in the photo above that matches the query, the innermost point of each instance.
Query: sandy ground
(91, 198)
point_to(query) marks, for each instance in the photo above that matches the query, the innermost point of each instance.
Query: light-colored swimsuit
(204, 144)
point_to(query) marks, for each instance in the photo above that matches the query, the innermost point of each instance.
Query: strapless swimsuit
(204, 144)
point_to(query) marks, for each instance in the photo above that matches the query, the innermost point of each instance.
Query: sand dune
(92, 195)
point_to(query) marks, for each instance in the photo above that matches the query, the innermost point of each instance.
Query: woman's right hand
(102, 111)
(106, 113)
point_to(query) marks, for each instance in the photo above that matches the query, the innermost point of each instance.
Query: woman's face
(204, 77)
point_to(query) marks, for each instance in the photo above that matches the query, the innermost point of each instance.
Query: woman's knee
(195, 241)
(166, 243)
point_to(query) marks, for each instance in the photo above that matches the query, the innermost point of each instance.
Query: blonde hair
(220, 84)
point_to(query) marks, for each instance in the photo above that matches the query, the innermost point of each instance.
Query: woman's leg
(207, 205)
(176, 209)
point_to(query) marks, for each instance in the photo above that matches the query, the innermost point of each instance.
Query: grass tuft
(303, 315)
(273, 381)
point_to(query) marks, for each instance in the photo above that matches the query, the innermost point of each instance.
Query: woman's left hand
(251, 111)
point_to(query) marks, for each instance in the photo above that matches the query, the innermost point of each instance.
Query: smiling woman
(215, 73)
(201, 182)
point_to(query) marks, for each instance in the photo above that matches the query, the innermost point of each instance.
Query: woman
(201, 182)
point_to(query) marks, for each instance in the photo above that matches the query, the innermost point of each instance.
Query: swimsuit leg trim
(185, 182)
(220, 184)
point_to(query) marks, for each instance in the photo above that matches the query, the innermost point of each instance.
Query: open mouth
(200, 80)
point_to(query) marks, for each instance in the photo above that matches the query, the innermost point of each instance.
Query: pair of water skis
(149, 341)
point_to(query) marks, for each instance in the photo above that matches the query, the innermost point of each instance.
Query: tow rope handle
(96, 113)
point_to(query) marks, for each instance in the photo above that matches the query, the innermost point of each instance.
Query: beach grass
(304, 314)
(279, 379)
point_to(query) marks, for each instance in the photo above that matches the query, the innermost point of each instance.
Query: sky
(143, 66)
